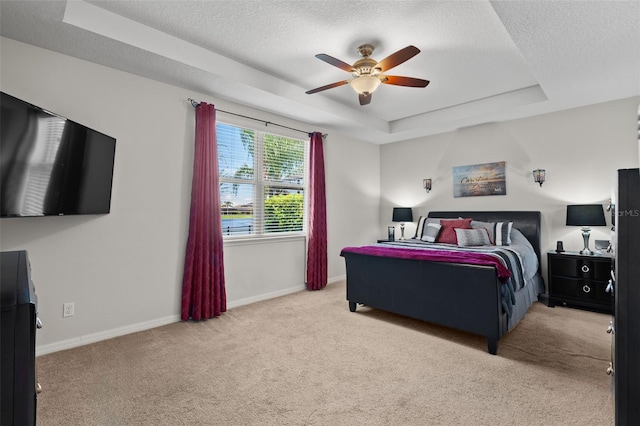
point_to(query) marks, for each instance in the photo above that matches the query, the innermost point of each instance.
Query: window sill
(241, 241)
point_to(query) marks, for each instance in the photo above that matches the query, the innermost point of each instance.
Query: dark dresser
(626, 320)
(18, 339)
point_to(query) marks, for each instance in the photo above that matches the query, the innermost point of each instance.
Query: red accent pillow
(448, 234)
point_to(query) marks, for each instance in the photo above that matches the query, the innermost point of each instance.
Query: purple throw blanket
(434, 255)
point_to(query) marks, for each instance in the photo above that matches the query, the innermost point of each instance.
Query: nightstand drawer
(579, 281)
(579, 289)
(578, 267)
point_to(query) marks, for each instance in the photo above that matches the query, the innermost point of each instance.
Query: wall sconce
(538, 176)
(426, 184)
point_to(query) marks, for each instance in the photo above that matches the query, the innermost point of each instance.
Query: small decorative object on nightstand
(580, 281)
(391, 233)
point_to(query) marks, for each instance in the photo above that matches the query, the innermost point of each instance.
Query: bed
(470, 295)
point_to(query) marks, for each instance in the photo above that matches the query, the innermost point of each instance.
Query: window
(262, 182)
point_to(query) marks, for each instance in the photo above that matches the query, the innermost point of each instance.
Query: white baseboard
(266, 296)
(104, 335)
(133, 328)
(336, 279)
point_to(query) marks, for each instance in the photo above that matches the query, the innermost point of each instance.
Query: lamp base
(585, 237)
(402, 231)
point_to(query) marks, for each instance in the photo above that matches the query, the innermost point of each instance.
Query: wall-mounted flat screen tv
(50, 165)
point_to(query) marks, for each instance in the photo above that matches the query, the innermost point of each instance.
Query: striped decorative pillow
(502, 233)
(420, 227)
(430, 232)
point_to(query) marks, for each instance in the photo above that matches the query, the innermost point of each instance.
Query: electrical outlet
(67, 310)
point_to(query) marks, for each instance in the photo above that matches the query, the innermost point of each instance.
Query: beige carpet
(304, 359)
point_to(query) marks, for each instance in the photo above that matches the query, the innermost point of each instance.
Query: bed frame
(464, 297)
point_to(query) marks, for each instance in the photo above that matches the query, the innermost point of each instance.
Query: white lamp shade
(365, 84)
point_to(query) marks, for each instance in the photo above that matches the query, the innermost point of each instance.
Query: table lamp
(585, 215)
(402, 215)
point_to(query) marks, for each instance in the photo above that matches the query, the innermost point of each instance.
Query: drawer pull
(609, 288)
(585, 268)
(38, 322)
(610, 369)
(586, 288)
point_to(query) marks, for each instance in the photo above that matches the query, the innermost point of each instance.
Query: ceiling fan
(368, 73)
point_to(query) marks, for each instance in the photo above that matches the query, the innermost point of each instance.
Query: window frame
(260, 184)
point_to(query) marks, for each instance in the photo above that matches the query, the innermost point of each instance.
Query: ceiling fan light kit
(368, 73)
(365, 84)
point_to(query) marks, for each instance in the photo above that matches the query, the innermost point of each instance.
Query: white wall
(353, 197)
(123, 270)
(580, 149)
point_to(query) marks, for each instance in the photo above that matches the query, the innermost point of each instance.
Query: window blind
(262, 182)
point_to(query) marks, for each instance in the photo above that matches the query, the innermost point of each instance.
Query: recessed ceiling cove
(485, 61)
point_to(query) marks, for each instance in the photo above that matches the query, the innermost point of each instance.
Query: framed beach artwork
(479, 179)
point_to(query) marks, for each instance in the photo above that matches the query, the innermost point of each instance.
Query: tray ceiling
(487, 60)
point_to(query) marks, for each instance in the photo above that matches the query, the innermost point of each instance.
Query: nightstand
(580, 281)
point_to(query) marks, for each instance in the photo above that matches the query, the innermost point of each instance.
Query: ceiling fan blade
(328, 86)
(397, 58)
(335, 62)
(404, 81)
(364, 98)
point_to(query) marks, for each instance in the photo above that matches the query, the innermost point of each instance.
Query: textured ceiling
(486, 60)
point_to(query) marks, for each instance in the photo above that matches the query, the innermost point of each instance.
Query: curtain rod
(195, 104)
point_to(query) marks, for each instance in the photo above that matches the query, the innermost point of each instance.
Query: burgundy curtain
(203, 291)
(317, 247)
